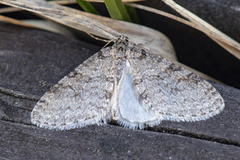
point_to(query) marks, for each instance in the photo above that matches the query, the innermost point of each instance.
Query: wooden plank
(39, 59)
(224, 127)
(20, 141)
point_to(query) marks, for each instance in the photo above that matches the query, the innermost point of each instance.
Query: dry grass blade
(39, 24)
(62, 15)
(9, 9)
(50, 26)
(94, 24)
(125, 1)
(223, 40)
(14, 21)
(13, 9)
(160, 44)
(226, 42)
(64, 2)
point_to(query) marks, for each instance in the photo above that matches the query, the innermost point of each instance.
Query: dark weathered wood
(222, 128)
(20, 141)
(194, 48)
(33, 60)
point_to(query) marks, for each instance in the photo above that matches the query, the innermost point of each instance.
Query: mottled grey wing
(80, 98)
(170, 92)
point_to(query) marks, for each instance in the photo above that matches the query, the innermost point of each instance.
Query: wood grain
(33, 60)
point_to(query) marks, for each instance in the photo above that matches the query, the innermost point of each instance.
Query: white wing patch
(130, 85)
(131, 112)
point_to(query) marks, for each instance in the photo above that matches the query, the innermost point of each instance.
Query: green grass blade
(117, 10)
(133, 14)
(87, 7)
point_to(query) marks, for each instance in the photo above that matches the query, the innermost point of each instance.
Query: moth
(129, 85)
